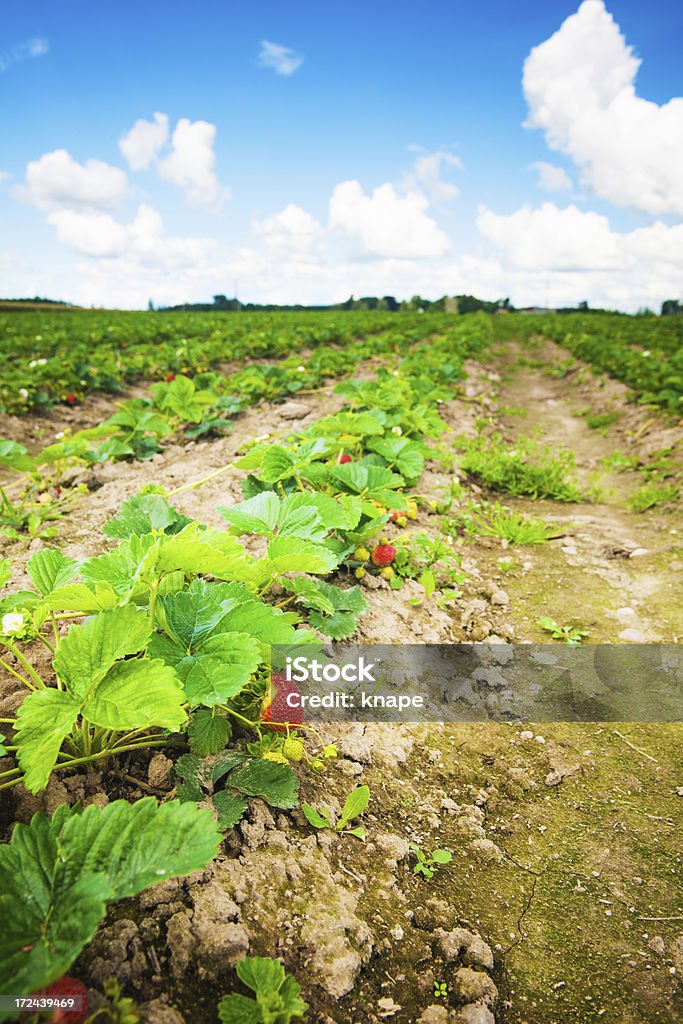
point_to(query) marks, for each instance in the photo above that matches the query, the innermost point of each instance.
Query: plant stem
(204, 480)
(17, 675)
(27, 665)
(46, 643)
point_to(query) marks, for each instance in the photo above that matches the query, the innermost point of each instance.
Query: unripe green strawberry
(387, 573)
(361, 554)
(359, 573)
(293, 749)
(402, 521)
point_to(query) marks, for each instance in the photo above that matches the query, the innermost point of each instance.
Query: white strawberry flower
(12, 623)
(23, 392)
(397, 431)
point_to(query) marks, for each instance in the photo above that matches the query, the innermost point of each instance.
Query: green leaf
(44, 720)
(15, 456)
(219, 669)
(428, 581)
(230, 808)
(273, 782)
(57, 877)
(261, 973)
(402, 453)
(358, 832)
(144, 513)
(336, 611)
(256, 515)
(79, 597)
(5, 572)
(208, 733)
(289, 554)
(49, 570)
(314, 818)
(239, 1009)
(190, 616)
(342, 513)
(442, 856)
(356, 802)
(88, 651)
(137, 694)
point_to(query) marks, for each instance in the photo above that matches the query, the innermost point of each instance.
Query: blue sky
(370, 148)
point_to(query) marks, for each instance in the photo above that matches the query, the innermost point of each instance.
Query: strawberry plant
(276, 998)
(354, 805)
(58, 875)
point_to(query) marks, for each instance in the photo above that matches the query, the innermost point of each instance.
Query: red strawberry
(71, 398)
(170, 376)
(275, 707)
(395, 515)
(344, 458)
(383, 554)
(67, 988)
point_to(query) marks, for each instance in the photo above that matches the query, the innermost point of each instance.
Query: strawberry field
(180, 493)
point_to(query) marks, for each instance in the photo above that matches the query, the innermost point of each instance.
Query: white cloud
(551, 177)
(282, 59)
(550, 238)
(568, 255)
(427, 172)
(88, 231)
(191, 163)
(29, 49)
(580, 88)
(144, 141)
(57, 181)
(293, 230)
(387, 224)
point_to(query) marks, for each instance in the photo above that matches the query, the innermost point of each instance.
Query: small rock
(488, 851)
(475, 987)
(434, 1014)
(159, 1012)
(478, 954)
(294, 410)
(500, 598)
(387, 1007)
(656, 944)
(474, 1014)
(159, 770)
(638, 552)
(526, 734)
(633, 636)
(625, 613)
(554, 778)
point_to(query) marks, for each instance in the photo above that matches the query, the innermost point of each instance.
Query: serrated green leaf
(88, 651)
(144, 513)
(260, 973)
(356, 802)
(57, 877)
(230, 808)
(239, 1009)
(208, 733)
(314, 818)
(338, 626)
(15, 456)
(190, 616)
(219, 669)
(289, 554)
(48, 570)
(275, 783)
(79, 597)
(44, 720)
(137, 694)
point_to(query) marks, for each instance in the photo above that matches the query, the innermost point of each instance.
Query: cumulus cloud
(293, 231)
(427, 174)
(144, 141)
(191, 162)
(56, 180)
(386, 223)
(282, 59)
(551, 177)
(574, 255)
(143, 241)
(580, 88)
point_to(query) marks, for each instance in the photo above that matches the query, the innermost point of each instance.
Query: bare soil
(562, 904)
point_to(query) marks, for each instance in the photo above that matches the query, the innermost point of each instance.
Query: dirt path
(613, 570)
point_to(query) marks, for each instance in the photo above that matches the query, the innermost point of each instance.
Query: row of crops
(644, 352)
(162, 639)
